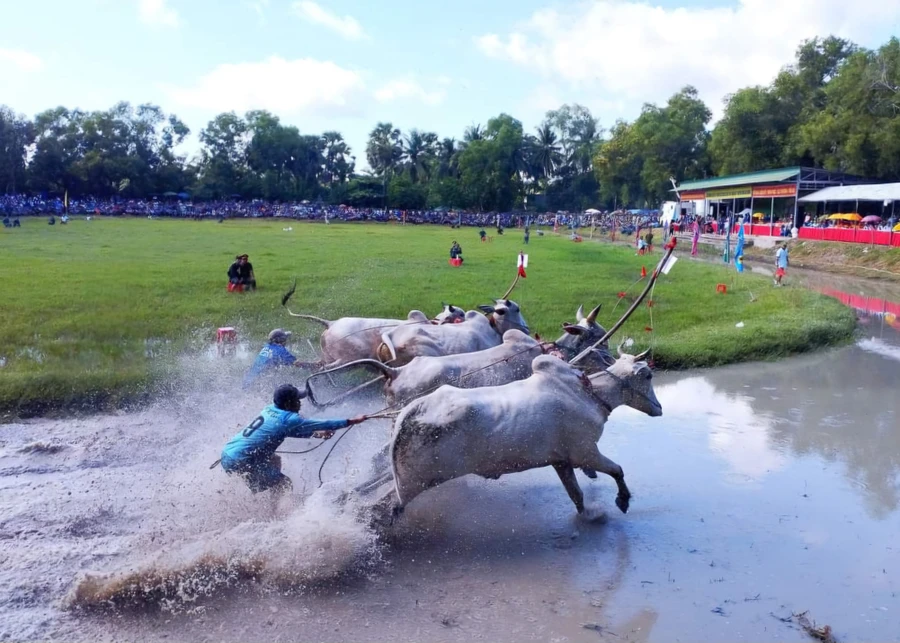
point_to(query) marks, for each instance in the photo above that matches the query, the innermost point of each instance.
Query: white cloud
(737, 434)
(284, 86)
(157, 13)
(636, 52)
(21, 60)
(408, 88)
(346, 26)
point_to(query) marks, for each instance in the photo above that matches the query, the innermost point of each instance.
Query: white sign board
(671, 262)
(522, 261)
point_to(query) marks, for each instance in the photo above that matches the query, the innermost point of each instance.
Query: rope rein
(390, 412)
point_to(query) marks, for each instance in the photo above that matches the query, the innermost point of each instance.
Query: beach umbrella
(871, 219)
(896, 228)
(852, 216)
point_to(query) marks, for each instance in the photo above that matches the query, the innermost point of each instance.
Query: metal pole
(751, 210)
(772, 219)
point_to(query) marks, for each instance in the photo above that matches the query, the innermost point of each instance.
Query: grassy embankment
(856, 259)
(92, 312)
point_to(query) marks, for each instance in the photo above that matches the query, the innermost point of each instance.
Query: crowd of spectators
(22, 205)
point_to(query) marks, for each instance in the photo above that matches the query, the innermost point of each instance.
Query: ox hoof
(590, 473)
(594, 515)
(622, 503)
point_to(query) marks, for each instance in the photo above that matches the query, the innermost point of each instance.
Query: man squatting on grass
(241, 272)
(251, 453)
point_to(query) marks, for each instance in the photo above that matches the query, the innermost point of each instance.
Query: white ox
(508, 362)
(553, 418)
(349, 339)
(477, 332)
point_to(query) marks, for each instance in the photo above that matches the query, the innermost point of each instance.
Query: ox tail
(286, 297)
(387, 343)
(318, 320)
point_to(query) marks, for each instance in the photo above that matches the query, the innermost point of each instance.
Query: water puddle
(764, 490)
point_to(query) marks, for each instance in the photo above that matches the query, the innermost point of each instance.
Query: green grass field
(93, 311)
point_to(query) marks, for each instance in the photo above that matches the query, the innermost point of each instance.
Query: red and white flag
(522, 263)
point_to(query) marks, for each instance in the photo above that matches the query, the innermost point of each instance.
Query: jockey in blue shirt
(273, 355)
(251, 453)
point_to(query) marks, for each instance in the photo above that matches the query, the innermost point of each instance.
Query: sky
(434, 65)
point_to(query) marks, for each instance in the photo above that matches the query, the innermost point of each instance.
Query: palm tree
(448, 158)
(585, 145)
(544, 152)
(336, 152)
(383, 151)
(418, 152)
(473, 133)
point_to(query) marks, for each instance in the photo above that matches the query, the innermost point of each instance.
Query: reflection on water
(739, 434)
(839, 405)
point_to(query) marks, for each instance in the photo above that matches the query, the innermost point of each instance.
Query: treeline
(837, 107)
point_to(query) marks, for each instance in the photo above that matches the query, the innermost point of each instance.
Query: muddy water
(765, 489)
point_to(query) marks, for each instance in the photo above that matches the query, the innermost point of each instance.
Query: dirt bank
(856, 259)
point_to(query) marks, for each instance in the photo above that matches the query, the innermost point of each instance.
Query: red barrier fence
(870, 305)
(847, 235)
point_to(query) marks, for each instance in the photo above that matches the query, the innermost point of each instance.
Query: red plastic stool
(235, 287)
(226, 340)
(456, 263)
(722, 288)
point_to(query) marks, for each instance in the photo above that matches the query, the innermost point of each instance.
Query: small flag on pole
(671, 262)
(522, 263)
(643, 271)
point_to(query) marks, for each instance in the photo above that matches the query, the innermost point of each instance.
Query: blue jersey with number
(267, 431)
(271, 356)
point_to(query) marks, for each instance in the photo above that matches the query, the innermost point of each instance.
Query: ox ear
(572, 329)
(487, 310)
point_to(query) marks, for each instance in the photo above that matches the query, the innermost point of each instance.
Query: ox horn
(515, 281)
(641, 356)
(592, 316)
(579, 314)
(386, 339)
(619, 349)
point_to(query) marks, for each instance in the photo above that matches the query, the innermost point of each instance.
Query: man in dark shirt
(234, 272)
(245, 270)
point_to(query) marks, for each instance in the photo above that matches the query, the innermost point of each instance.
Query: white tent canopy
(871, 192)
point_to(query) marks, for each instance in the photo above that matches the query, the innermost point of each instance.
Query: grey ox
(477, 332)
(553, 418)
(349, 339)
